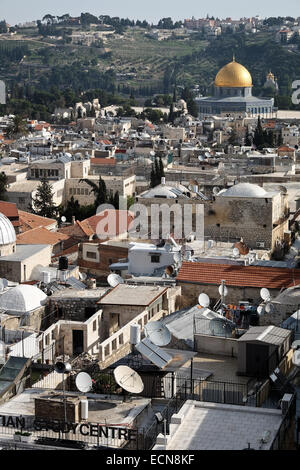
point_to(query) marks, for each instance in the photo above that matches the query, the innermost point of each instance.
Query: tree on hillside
(43, 204)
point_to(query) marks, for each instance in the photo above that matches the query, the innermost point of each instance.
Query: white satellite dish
(296, 358)
(63, 219)
(216, 190)
(128, 379)
(201, 158)
(236, 252)
(83, 382)
(157, 333)
(260, 310)
(114, 280)
(269, 308)
(210, 244)
(265, 294)
(223, 290)
(204, 300)
(207, 155)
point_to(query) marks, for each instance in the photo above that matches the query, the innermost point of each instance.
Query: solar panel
(75, 283)
(154, 353)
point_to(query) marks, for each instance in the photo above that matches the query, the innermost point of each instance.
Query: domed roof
(7, 231)
(244, 190)
(233, 75)
(22, 299)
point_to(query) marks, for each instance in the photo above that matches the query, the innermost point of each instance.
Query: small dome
(22, 299)
(7, 231)
(233, 75)
(244, 190)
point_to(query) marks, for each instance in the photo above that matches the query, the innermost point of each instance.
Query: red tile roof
(40, 236)
(103, 161)
(30, 221)
(119, 222)
(10, 210)
(238, 275)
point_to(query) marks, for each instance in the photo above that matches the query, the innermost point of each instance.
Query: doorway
(77, 342)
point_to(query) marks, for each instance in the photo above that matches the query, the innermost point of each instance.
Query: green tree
(99, 190)
(259, 138)
(3, 186)
(17, 128)
(43, 204)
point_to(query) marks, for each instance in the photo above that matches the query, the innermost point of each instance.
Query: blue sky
(15, 11)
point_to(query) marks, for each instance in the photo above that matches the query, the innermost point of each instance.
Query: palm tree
(17, 128)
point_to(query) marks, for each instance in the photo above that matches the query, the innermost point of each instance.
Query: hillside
(136, 64)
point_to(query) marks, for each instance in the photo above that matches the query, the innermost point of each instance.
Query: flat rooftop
(23, 252)
(222, 368)
(212, 426)
(79, 293)
(124, 294)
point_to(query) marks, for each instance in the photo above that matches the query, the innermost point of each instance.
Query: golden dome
(233, 75)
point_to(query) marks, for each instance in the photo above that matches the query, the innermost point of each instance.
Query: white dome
(7, 231)
(22, 299)
(244, 190)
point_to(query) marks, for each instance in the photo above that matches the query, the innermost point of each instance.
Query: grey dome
(7, 231)
(244, 190)
(22, 299)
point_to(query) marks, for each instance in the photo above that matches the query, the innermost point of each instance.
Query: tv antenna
(63, 368)
(158, 333)
(114, 280)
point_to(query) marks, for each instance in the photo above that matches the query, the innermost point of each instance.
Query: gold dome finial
(233, 58)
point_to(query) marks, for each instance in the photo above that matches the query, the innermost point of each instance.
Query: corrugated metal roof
(266, 334)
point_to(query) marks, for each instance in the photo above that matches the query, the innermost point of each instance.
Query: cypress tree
(43, 204)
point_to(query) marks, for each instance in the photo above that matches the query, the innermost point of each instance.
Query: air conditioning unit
(260, 244)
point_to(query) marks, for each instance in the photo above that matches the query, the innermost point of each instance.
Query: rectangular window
(71, 191)
(47, 340)
(155, 258)
(91, 254)
(94, 325)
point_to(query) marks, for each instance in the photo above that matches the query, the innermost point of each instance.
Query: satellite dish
(260, 310)
(236, 252)
(128, 379)
(157, 333)
(296, 358)
(210, 244)
(63, 219)
(62, 367)
(265, 294)
(269, 308)
(204, 300)
(296, 344)
(201, 158)
(114, 280)
(216, 190)
(223, 290)
(169, 270)
(207, 155)
(83, 382)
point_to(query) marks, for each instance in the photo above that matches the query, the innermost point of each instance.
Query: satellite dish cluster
(156, 335)
(266, 306)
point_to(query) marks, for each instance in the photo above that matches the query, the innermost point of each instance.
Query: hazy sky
(15, 11)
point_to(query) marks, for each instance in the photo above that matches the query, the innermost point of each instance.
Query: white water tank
(46, 277)
(135, 334)
(84, 409)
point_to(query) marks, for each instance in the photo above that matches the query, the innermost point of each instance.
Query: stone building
(248, 211)
(125, 302)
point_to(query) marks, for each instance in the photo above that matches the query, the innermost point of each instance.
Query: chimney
(73, 220)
